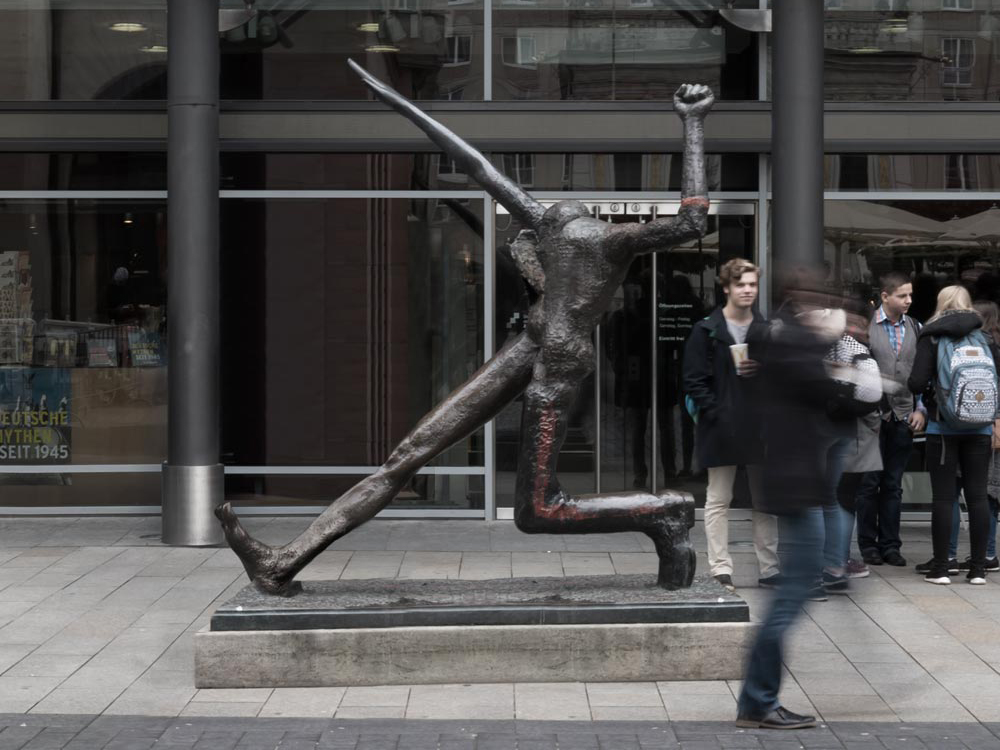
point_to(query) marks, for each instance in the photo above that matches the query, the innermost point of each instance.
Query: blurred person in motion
(892, 337)
(797, 389)
(955, 370)
(725, 398)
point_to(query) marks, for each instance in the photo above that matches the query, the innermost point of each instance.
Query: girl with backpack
(955, 370)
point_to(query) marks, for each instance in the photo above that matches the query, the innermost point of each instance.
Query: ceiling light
(158, 48)
(128, 27)
(371, 26)
(382, 48)
(865, 50)
(127, 219)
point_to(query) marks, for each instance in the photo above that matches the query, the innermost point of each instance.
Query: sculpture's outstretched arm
(692, 104)
(521, 205)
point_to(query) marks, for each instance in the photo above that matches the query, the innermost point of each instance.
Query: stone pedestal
(383, 632)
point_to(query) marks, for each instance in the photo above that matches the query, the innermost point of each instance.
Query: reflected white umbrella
(853, 223)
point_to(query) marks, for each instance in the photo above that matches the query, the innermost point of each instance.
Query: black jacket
(953, 324)
(729, 430)
(797, 428)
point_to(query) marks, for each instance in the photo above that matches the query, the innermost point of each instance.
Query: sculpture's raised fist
(693, 100)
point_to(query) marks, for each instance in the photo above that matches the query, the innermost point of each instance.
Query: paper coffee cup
(740, 354)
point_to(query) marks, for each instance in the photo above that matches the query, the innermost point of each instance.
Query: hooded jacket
(953, 324)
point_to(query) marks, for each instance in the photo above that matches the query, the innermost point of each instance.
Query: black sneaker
(992, 564)
(835, 584)
(976, 576)
(925, 568)
(937, 576)
(771, 582)
(726, 581)
(817, 593)
(892, 557)
(872, 558)
(779, 718)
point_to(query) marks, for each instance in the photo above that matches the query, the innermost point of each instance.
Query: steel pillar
(797, 132)
(192, 475)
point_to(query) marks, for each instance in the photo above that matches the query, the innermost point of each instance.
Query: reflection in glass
(436, 491)
(344, 322)
(79, 490)
(350, 171)
(906, 172)
(617, 50)
(425, 49)
(72, 53)
(629, 172)
(912, 51)
(82, 332)
(935, 242)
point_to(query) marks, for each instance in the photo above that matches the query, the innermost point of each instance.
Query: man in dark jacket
(726, 404)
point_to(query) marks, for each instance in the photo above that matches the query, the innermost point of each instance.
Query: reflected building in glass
(364, 275)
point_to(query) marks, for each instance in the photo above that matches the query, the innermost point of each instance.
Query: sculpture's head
(560, 214)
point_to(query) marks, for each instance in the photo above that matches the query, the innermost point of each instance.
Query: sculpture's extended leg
(542, 506)
(494, 385)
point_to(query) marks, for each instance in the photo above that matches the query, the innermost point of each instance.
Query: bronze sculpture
(574, 263)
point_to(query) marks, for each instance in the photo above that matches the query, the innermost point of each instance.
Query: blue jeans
(799, 539)
(836, 524)
(880, 498)
(956, 521)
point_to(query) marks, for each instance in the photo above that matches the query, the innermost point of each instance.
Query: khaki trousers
(765, 526)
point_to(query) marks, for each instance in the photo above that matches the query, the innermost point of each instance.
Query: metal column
(797, 131)
(192, 476)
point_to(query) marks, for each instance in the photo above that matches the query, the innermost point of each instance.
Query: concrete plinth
(485, 653)
(584, 628)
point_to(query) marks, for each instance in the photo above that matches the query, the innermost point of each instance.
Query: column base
(190, 494)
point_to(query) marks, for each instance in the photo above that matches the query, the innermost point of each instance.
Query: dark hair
(990, 314)
(892, 280)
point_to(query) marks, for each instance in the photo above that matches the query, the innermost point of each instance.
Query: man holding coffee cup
(723, 396)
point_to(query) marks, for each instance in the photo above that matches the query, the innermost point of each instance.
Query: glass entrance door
(629, 428)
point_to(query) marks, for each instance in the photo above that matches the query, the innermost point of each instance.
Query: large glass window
(911, 172)
(360, 171)
(623, 172)
(618, 49)
(62, 50)
(344, 322)
(907, 50)
(82, 333)
(426, 49)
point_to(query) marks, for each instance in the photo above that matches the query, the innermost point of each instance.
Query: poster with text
(35, 415)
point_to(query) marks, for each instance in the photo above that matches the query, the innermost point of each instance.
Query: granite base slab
(574, 600)
(594, 628)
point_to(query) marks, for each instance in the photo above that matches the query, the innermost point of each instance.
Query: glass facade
(912, 50)
(361, 284)
(83, 367)
(357, 317)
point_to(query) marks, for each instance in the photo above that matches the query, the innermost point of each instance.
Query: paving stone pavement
(97, 617)
(142, 733)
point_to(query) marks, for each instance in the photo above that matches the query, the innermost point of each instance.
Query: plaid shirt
(896, 331)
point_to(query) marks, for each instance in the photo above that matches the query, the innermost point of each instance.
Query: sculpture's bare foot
(670, 536)
(259, 560)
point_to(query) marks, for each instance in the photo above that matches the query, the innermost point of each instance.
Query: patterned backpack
(851, 365)
(966, 384)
